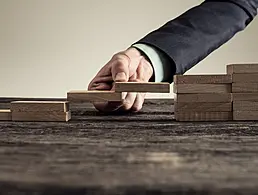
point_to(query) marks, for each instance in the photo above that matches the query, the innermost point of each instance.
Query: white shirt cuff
(159, 61)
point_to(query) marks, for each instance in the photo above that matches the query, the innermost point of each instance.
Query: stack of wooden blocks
(232, 96)
(244, 91)
(203, 97)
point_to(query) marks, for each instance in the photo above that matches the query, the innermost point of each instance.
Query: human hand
(124, 66)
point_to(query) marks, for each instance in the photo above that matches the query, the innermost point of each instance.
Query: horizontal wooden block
(202, 79)
(203, 107)
(5, 115)
(80, 96)
(146, 87)
(245, 78)
(41, 116)
(245, 96)
(203, 97)
(30, 106)
(203, 116)
(245, 106)
(202, 88)
(245, 115)
(242, 68)
(244, 87)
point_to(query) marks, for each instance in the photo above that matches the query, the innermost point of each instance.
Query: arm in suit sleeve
(191, 37)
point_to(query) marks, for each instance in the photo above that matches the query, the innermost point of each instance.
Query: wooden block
(41, 116)
(202, 88)
(244, 96)
(244, 87)
(203, 107)
(242, 68)
(146, 87)
(245, 115)
(203, 116)
(5, 106)
(5, 115)
(30, 106)
(245, 78)
(80, 96)
(203, 97)
(245, 106)
(202, 79)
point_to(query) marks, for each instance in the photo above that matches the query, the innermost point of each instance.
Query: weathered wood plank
(203, 97)
(202, 88)
(203, 79)
(145, 87)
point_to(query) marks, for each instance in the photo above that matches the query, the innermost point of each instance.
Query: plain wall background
(48, 47)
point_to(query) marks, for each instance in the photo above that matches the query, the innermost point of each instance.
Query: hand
(124, 66)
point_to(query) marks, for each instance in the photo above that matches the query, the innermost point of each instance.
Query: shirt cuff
(160, 62)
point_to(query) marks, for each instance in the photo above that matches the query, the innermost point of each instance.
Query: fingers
(101, 86)
(120, 68)
(138, 103)
(128, 101)
(108, 106)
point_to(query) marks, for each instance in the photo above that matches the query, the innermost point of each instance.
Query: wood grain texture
(242, 68)
(203, 116)
(5, 115)
(245, 96)
(202, 79)
(203, 107)
(245, 115)
(202, 88)
(244, 87)
(41, 116)
(135, 153)
(35, 106)
(245, 78)
(203, 97)
(146, 87)
(91, 96)
(245, 106)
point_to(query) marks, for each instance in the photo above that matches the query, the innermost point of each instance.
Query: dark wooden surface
(144, 153)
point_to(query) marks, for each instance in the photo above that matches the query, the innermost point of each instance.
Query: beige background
(48, 47)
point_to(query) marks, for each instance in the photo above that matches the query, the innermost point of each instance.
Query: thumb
(120, 69)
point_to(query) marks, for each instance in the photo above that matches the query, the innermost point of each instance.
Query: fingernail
(121, 76)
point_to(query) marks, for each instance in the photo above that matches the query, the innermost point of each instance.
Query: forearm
(192, 36)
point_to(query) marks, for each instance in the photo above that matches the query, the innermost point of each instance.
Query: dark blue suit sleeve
(191, 37)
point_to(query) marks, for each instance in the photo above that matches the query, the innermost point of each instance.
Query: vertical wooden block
(35, 106)
(203, 116)
(144, 87)
(202, 88)
(202, 79)
(242, 68)
(80, 96)
(5, 115)
(203, 97)
(41, 116)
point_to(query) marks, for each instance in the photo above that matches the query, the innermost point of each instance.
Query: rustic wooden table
(144, 153)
